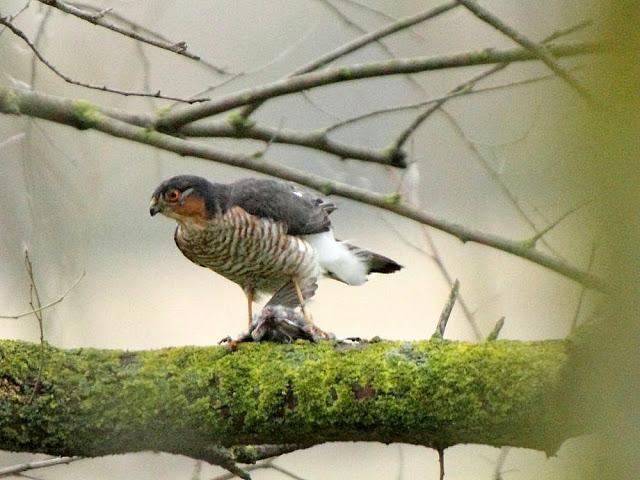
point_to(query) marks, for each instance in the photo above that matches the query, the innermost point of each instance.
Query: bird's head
(185, 198)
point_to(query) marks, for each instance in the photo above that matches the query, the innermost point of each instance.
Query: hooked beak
(154, 206)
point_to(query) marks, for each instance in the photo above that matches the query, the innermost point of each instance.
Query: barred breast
(250, 251)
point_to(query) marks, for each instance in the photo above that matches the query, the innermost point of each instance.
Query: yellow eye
(172, 195)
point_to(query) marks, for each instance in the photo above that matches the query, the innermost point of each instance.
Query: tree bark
(92, 402)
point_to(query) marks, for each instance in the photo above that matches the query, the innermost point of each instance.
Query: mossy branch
(186, 400)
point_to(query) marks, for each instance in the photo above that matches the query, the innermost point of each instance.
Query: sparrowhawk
(265, 235)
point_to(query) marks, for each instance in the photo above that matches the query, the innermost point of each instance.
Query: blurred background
(515, 157)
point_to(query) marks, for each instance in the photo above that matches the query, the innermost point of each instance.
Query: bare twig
(468, 86)
(184, 115)
(285, 471)
(34, 297)
(99, 19)
(136, 27)
(424, 103)
(434, 255)
(496, 330)
(254, 453)
(65, 111)
(374, 36)
(497, 179)
(446, 312)
(23, 467)
(223, 457)
(441, 463)
(583, 291)
(541, 52)
(40, 34)
(103, 88)
(437, 258)
(37, 310)
(248, 468)
(360, 42)
(531, 242)
(502, 457)
(197, 470)
(11, 140)
(15, 15)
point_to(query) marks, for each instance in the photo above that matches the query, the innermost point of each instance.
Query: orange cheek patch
(192, 207)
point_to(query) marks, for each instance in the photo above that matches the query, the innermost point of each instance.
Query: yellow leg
(250, 293)
(307, 316)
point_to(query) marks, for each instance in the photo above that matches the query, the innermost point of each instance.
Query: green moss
(239, 121)
(86, 114)
(394, 198)
(327, 188)
(9, 101)
(484, 54)
(162, 113)
(94, 402)
(528, 243)
(147, 135)
(345, 73)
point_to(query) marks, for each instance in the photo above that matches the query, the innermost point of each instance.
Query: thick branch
(318, 140)
(186, 400)
(306, 81)
(83, 115)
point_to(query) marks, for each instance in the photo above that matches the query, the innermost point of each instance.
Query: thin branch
(358, 43)
(34, 297)
(197, 470)
(446, 312)
(493, 335)
(255, 453)
(502, 457)
(531, 242)
(248, 468)
(435, 257)
(98, 19)
(48, 305)
(184, 115)
(441, 463)
(374, 36)
(544, 54)
(447, 97)
(222, 457)
(497, 179)
(86, 116)
(468, 86)
(576, 316)
(19, 12)
(24, 467)
(4, 21)
(11, 140)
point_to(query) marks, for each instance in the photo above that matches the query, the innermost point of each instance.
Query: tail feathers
(345, 262)
(374, 262)
(288, 297)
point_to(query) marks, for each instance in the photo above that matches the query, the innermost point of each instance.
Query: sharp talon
(226, 339)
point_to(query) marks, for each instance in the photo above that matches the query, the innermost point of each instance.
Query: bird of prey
(265, 235)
